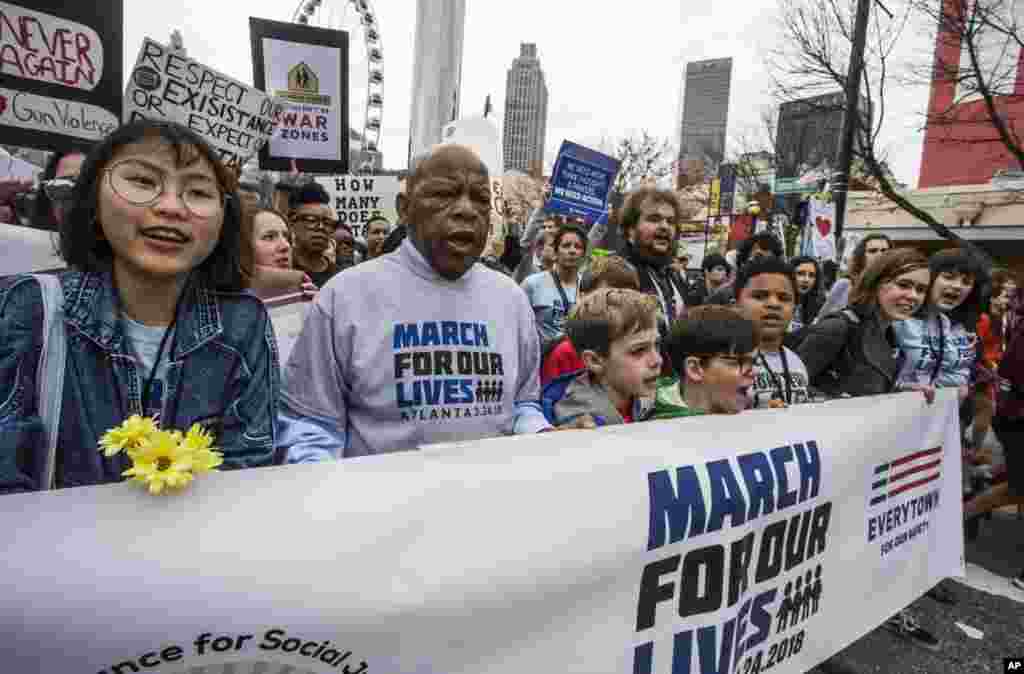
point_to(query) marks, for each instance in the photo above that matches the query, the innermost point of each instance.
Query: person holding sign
(420, 346)
(553, 293)
(154, 321)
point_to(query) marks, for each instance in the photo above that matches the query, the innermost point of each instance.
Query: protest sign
(358, 200)
(581, 181)
(60, 72)
(688, 545)
(821, 216)
(234, 118)
(307, 68)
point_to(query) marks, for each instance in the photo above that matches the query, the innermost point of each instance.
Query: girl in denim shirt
(155, 321)
(939, 343)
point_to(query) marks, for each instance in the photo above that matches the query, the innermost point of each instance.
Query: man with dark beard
(420, 346)
(650, 226)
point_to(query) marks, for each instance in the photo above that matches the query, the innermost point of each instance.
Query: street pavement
(986, 602)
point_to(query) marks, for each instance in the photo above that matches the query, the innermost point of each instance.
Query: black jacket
(656, 278)
(856, 357)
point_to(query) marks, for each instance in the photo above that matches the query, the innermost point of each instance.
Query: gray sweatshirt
(392, 357)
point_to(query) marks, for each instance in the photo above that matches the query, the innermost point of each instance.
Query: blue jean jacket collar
(91, 306)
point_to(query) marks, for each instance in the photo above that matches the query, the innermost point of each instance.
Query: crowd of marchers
(421, 337)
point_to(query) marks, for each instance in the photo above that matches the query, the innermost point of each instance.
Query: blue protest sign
(581, 181)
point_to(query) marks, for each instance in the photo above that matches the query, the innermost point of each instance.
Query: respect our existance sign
(688, 545)
(234, 118)
(60, 72)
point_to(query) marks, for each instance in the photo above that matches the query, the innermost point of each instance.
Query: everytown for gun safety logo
(901, 485)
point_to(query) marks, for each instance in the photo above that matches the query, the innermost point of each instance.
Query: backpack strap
(50, 371)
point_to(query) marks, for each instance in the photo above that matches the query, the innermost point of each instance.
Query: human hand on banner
(308, 287)
(582, 422)
(927, 389)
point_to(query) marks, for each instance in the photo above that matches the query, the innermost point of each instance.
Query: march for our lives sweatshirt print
(397, 357)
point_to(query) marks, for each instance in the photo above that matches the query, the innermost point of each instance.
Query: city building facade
(526, 113)
(961, 144)
(437, 71)
(807, 137)
(705, 116)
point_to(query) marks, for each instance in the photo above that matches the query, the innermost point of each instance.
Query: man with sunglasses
(313, 226)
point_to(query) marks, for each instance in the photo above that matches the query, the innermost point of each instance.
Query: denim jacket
(223, 373)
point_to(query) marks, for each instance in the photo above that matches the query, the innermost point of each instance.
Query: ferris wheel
(366, 101)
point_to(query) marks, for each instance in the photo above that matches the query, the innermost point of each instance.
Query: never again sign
(60, 72)
(234, 118)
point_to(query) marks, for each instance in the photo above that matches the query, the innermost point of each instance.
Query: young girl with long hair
(153, 313)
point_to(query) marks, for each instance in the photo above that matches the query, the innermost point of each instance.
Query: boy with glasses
(713, 350)
(313, 226)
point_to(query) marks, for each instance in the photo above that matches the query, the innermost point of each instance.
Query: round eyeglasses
(142, 185)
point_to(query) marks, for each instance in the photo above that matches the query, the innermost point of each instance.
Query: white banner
(234, 118)
(691, 545)
(359, 199)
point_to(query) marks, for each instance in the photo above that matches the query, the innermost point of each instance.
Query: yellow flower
(129, 436)
(200, 443)
(204, 461)
(162, 462)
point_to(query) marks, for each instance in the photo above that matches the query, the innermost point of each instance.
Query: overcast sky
(608, 72)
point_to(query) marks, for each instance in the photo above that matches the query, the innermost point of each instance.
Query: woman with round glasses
(155, 321)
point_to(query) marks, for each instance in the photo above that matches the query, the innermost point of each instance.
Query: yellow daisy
(129, 436)
(200, 443)
(161, 463)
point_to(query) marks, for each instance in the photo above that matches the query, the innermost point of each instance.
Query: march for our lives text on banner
(359, 200)
(234, 118)
(690, 545)
(581, 181)
(60, 72)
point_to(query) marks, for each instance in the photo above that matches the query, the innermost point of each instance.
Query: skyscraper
(808, 134)
(705, 113)
(526, 113)
(437, 71)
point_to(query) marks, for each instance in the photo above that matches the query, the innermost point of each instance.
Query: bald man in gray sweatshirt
(421, 345)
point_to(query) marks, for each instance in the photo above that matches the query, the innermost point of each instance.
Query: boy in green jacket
(713, 351)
